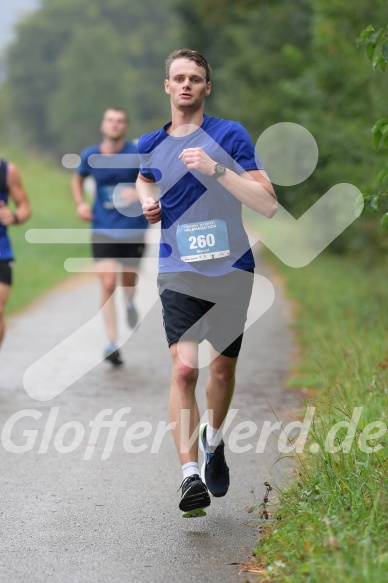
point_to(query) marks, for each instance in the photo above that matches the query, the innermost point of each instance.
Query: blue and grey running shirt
(201, 228)
(112, 216)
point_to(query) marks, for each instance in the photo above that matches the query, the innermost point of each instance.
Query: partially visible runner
(205, 168)
(118, 225)
(11, 188)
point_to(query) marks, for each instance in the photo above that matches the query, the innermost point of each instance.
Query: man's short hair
(119, 109)
(190, 55)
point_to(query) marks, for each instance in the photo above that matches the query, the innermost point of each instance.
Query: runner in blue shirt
(195, 174)
(118, 224)
(11, 189)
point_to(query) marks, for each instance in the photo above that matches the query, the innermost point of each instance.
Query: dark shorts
(6, 271)
(211, 308)
(122, 251)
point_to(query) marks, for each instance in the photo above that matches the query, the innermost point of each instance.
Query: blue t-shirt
(112, 215)
(5, 244)
(201, 227)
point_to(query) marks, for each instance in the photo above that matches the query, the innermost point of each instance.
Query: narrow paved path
(66, 519)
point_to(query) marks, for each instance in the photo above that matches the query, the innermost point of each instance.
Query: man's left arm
(19, 196)
(252, 188)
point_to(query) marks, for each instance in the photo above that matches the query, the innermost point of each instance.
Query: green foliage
(278, 61)
(273, 61)
(331, 525)
(76, 121)
(32, 73)
(71, 60)
(376, 49)
(38, 267)
(376, 45)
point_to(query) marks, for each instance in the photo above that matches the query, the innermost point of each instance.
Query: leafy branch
(376, 49)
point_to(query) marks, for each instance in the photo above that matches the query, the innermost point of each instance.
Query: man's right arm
(83, 209)
(149, 197)
(19, 196)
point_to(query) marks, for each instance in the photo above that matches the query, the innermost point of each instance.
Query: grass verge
(40, 266)
(332, 524)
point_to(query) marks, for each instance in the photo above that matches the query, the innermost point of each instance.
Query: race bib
(112, 197)
(203, 241)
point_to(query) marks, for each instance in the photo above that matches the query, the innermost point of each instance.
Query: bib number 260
(202, 241)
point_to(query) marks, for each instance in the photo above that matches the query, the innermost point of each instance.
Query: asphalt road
(81, 504)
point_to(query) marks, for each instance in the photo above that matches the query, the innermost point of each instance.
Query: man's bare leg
(220, 388)
(129, 280)
(4, 294)
(219, 393)
(107, 274)
(182, 398)
(183, 410)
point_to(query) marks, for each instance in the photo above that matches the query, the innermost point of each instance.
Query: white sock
(212, 439)
(190, 469)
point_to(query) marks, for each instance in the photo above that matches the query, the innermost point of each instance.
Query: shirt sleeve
(145, 169)
(244, 153)
(84, 168)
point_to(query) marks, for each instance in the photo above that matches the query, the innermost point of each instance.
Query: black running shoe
(195, 497)
(114, 357)
(214, 471)
(132, 316)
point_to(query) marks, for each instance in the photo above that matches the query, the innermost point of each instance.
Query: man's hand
(83, 212)
(6, 215)
(197, 159)
(252, 188)
(152, 210)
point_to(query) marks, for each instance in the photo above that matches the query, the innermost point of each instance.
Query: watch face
(219, 170)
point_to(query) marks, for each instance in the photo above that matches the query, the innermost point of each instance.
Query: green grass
(39, 267)
(332, 524)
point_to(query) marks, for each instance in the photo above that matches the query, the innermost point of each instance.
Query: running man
(118, 225)
(204, 168)
(11, 188)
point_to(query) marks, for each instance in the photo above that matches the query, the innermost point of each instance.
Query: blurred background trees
(273, 61)
(71, 60)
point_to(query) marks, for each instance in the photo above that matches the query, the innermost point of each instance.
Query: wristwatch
(219, 170)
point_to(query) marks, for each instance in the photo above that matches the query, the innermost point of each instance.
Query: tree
(279, 61)
(376, 49)
(31, 64)
(70, 60)
(88, 84)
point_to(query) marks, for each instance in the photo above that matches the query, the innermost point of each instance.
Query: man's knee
(224, 372)
(129, 278)
(2, 320)
(109, 288)
(185, 369)
(4, 293)
(185, 375)
(108, 284)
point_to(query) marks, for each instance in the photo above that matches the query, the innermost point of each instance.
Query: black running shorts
(123, 251)
(198, 307)
(6, 271)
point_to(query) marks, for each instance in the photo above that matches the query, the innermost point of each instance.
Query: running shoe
(132, 316)
(214, 471)
(112, 354)
(195, 497)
